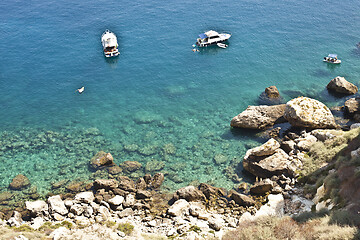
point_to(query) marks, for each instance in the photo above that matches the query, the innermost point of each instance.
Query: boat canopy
(203, 36)
(332, 55)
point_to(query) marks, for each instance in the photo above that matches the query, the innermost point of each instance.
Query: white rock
(58, 217)
(21, 237)
(60, 233)
(355, 125)
(117, 200)
(82, 221)
(178, 208)
(86, 197)
(171, 232)
(15, 220)
(216, 223)
(274, 207)
(104, 213)
(88, 211)
(77, 209)
(266, 149)
(320, 193)
(355, 154)
(38, 208)
(37, 223)
(68, 203)
(129, 201)
(57, 205)
(306, 142)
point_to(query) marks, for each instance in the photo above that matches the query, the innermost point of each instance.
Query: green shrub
(195, 229)
(344, 218)
(126, 228)
(23, 228)
(110, 224)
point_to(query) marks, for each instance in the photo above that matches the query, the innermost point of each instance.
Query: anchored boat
(110, 45)
(332, 58)
(211, 37)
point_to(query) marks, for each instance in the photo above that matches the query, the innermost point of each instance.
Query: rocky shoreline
(119, 207)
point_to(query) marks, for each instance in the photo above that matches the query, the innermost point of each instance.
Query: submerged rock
(130, 166)
(101, 159)
(106, 184)
(340, 85)
(19, 182)
(259, 117)
(309, 113)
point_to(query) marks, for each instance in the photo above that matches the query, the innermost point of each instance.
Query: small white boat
(211, 37)
(332, 58)
(110, 45)
(222, 45)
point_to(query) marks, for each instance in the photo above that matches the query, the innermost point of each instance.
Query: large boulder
(242, 199)
(157, 180)
(268, 160)
(309, 113)
(262, 187)
(340, 85)
(259, 117)
(189, 193)
(180, 207)
(19, 182)
(57, 205)
(37, 208)
(266, 149)
(211, 191)
(101, 159)
(106, 184)
(352, 106)
(85, 197)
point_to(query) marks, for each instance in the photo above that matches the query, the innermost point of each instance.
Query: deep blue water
(157, 93)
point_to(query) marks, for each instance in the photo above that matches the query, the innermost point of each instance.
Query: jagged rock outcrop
(341, 85)
(259, 117)
(309, 113)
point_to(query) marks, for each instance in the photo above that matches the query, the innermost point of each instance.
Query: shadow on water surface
(112, 61)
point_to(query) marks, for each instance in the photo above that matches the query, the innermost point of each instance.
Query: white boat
(211, 37)
(222, 45)
(332, 58)
(110, 45)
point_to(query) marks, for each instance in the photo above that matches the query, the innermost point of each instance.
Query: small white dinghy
(222, 45)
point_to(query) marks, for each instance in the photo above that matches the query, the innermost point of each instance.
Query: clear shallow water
(174, 104)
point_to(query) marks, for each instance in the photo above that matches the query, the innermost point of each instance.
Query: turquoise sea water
(158, 101)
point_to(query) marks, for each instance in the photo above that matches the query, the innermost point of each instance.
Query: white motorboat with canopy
(110, 44)
(211, 37)
(332, 58)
